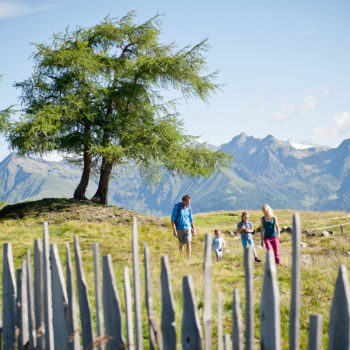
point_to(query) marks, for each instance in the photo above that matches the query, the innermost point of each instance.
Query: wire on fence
(321, 228)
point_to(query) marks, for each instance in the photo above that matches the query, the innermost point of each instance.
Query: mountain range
(264, 170)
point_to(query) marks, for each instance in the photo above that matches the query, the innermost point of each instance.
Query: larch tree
(98, 93)
(5, 116)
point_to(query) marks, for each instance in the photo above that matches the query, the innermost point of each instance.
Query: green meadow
(111, 227)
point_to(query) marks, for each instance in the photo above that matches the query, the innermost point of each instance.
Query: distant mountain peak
(241, 138)
(345, 144)
(10, 158)
(271, 139)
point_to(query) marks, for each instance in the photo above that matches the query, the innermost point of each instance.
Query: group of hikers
(183, 228)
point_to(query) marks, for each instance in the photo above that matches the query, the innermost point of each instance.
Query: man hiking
(183, 225)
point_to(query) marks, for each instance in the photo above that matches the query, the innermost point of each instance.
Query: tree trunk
(79, 192)
(101, 195)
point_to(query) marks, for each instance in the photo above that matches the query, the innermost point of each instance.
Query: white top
(218, 243)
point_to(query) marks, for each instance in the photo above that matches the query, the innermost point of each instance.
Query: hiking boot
(257, 260)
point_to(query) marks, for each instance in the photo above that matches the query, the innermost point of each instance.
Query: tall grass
(319, 270)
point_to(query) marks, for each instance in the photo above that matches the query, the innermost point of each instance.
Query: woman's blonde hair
(268, 208)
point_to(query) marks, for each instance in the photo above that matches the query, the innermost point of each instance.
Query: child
(270, 232)
(245, 228)
(218, 245)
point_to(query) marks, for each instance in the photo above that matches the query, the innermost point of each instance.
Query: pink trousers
(272, 243)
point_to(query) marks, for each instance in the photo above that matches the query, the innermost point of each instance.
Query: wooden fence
(41, 312)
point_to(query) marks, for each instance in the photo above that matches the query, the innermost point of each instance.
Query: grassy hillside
(111, 227)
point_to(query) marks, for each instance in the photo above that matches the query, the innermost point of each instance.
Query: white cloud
(289, 109)
(312, 120)
(259, 97)
(18, 8)
(326, 92)
(310, 103)
(307, 32)
(310, 32)
(278, 117)
(339, 127)
(261, 113)
(320, 133)
(342, 123)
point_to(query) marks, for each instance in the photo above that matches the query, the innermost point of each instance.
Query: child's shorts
(218, 253)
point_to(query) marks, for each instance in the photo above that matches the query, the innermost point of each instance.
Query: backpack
(179, 209)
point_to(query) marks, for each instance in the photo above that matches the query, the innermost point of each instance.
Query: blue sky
(284, 66)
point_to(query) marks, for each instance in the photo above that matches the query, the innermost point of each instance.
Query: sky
(284, 67)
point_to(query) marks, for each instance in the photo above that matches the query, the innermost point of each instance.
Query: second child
(218, 245)
(245, 228)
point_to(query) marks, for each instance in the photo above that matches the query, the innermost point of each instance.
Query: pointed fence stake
(207, 293)
(249, 296)
(191, 334)
(155, 337)
(98, 294)
(9, 296)
(294, 323)
(18, 310)
(72, 318)
(128, 310)
(39, 293)
(168, 311)
(137, 285)
(220, 330)
(59, 301)
(84, 302)
(227, 342)
(24, 328)
(315, 332)
(270, 318)
(237, 337)
(339, 322)
(111, 306)
(31, 309)
(49, 336)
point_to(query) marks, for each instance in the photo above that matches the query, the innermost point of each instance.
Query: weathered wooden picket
(41, 313)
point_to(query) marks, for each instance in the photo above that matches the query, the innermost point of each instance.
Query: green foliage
(98, 91)
(5, 115)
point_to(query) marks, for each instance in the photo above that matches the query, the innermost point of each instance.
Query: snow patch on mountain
(300, 144)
